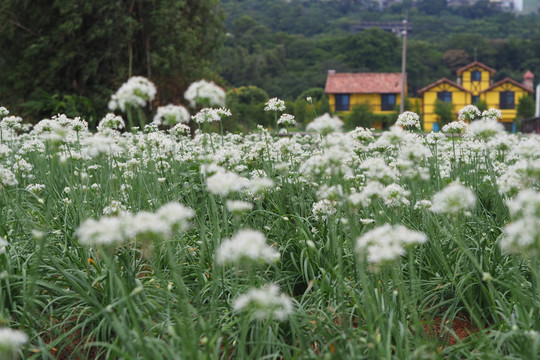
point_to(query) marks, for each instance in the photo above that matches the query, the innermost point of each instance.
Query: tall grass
(165, 297)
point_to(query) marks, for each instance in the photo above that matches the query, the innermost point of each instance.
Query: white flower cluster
(225, 182)
(3, 245)
(484, 128)
(111, 122)
(453, 199)
(265, 303)
(286, 119)
(523, 234)
(386, 243)
(11, 122)
(179, 129)
(238, 206)
(325, 124)
(100, 144)
(115, 208)
(362, 135)
(7, 178)
(408, 120)
(455, 127)
(209, 115)
(245, 247)
(60, 129)
(4, 111)
(10, 342)
(469, 113)
(492, 114)
(205, 93)
(143, 225)
(137, 91)
(171, 115)
(274, 104)
(323, 209)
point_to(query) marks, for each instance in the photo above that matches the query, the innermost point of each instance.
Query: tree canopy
(89, 48)
(288, 47)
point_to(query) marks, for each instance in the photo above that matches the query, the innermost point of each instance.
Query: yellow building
(474, 83)
(379, 91)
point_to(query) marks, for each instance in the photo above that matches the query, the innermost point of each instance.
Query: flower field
(126, 243)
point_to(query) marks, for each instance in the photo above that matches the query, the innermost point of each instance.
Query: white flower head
(265, 303)
(238, 206)
(408, 120)
(3, 245)
(7, 178)
(246, 246)
(104, 232)
(492, 114)
(176, 215)
(453, 199)
(171, 115)
(274, 104)
(522, 236)
(208, 115)
(224, 182)
(325, 124)
(395, 196)
(469, 113)
(11, 341)
(386, 243)
(323, 209)
(286, 119)
(526, 203)
(111, 121)
(455, 127)
(484, 128)
(205, 93)
(362, 134)
(114, 208)
(11, 122)
(137, 91)
(179, 129)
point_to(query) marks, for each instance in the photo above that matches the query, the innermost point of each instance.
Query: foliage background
(87, 49)
(70, 56)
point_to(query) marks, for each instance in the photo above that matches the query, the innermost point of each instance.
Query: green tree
(373, 50)
(89, 48)
(305, 111)
(481, 105)
(247, 107)
(360, 115)
(444, 112)
(526, 107)
(432, 7)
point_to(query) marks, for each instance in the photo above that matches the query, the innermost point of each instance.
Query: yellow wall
(459, 100)
(372, 100)
(492, 99)
(475, 86)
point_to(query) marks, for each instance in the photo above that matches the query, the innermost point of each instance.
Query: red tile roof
(363, 83)
(528, 75)
(513, 82)
(476, 63)
(438, 82)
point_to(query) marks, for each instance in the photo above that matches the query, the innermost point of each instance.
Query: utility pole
(403, 65)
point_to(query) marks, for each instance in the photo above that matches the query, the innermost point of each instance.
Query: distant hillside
(287, 47)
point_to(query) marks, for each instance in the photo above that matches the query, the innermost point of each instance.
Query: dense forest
(72, 55)
(286, 47)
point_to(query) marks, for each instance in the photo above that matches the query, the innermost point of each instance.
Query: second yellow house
(475, 83)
